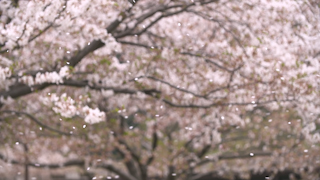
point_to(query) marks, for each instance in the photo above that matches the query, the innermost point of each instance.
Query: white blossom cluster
(52, 77)
(25, 21)
(4, 73)
(6, 101)
(68, 107)
(93, 116)
(65, 105)
(47, 77)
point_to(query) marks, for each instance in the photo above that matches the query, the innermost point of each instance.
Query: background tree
(178, 89)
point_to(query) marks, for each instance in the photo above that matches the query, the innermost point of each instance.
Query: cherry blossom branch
(50, 24)
(138, 44)
(75, 83)
(244, 156)
(96, 44)
(23, 89)
(212, 62)
(36, 121)
(232, 71)
(209, 18)
(143, 17)
(140, 20)
(255, 80)
(223, 104)
(223, 27)
(41, 31)
(205, 96)
(74, 162)
(159, 18)
(151, 34)
(165, 82)
(163, 9)
(195, 55)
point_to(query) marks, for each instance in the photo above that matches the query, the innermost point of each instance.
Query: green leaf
(105, 61)
(259, 40)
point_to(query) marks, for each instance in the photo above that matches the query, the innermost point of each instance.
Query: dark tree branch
(216, 104)
(37, 121)
(23, 89)
(165, 13)
(143, 17)
(96, 44)
(235, 156)
(154, 145)
(175, 87)
(203, 151)
(132, 153)
(122, 174)
(171, 170)
(130, 165)
(75, 162)
(134, 156)
(138, 44)
(212, 62)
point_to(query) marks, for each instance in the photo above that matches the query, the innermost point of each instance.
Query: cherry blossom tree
(181, 89)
